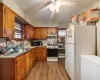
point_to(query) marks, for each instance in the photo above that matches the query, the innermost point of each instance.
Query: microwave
(36, 43)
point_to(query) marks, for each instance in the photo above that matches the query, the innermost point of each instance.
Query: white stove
(52, 47)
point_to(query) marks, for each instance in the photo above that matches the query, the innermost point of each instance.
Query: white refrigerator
(79, 40)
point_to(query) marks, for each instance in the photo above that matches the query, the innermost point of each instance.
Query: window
(18, 32)
(61, 33)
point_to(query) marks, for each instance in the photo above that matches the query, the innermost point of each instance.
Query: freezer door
(70, 61)
(70, 34)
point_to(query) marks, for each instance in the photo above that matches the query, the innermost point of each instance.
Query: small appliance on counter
(36, 43)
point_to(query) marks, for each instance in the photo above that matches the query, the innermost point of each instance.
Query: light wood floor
(48, 71)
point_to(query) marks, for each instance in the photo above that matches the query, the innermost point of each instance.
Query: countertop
(16, 54)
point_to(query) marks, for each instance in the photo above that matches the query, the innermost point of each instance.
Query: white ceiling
(39, 12)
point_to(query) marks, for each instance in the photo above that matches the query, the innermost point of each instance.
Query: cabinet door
(34, 55)
(9, 20)
(44, 54)
(27, 62)
(37, 33)
(52, 30)
(31, 31)
(39, 52)
(26, 30)
(43, 33)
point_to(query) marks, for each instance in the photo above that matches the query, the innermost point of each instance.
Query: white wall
(14, 6)
(40, 24)
(62, 25)
(96, 4)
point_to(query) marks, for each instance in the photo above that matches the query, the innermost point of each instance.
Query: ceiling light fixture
(58, 3)
(52, 7)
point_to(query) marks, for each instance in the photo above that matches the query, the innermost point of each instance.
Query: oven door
(52, 53)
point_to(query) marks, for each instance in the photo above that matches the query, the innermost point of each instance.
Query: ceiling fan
(56, 4)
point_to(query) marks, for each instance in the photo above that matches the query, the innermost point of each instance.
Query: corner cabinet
(7, 20)
(40, 33)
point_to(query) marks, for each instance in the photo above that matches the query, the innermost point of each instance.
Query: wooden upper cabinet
(40, 33)
(26, 33)
(52, 30)
(10, 20)
(43, 33)
(7, 20)
(91, 15)
(29, 31)
(37, 33)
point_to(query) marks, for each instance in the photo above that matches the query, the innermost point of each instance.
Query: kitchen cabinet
(17, 68)
(37, 33)
(20, 64)
(32, 32)
(40, 33)
(29, 31)
(7, 20)
(26, 31)
(33, 57)
(42, 53)
(20, 67)
(43, 33)
(28, 62)
(91, 15)
(30, 59)
(52, 31)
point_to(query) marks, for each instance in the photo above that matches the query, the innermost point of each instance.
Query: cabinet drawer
(21, 76)
(20, 59)
(20, 68)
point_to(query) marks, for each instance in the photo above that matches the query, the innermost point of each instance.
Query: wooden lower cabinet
(27, 56)
(30, 59)
(42, 53)
(17, 68)
(21, 76)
